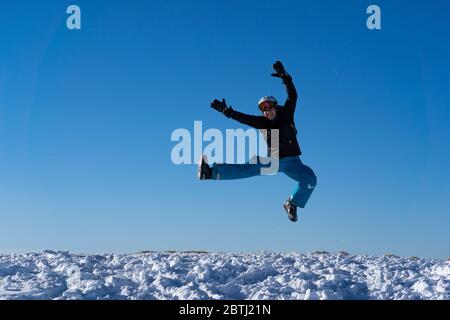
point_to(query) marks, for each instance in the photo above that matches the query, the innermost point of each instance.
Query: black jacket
(284, 122)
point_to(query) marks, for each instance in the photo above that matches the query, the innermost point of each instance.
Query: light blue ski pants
(291, 166)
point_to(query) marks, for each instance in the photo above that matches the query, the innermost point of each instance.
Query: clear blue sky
(86, 118)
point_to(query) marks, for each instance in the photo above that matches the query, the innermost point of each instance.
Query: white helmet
(267, 98)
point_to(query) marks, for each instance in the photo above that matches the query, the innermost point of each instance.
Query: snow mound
(199, 275)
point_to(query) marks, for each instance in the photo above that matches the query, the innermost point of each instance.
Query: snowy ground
(159, 275)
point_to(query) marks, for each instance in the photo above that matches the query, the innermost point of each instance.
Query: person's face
(268, 109)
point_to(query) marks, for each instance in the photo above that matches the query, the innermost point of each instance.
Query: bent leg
(307, 181)
(235, 171)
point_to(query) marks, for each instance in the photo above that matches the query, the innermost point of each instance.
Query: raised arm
(291, 100)
(258, 122)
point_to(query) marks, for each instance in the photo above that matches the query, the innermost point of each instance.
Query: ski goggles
(266, 105)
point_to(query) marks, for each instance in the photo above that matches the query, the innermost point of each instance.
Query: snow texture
(201, 275)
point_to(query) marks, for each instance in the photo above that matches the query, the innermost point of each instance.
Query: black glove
(280, 72)
(221, 106)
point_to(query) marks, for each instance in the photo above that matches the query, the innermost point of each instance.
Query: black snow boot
(204, 171)
(291, 210)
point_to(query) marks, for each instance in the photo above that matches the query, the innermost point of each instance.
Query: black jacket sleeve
(291, 101)
(258, 122)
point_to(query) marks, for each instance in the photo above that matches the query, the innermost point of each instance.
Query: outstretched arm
(258, 122)
(291, 100)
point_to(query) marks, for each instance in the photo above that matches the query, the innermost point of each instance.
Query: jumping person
(287, 151)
